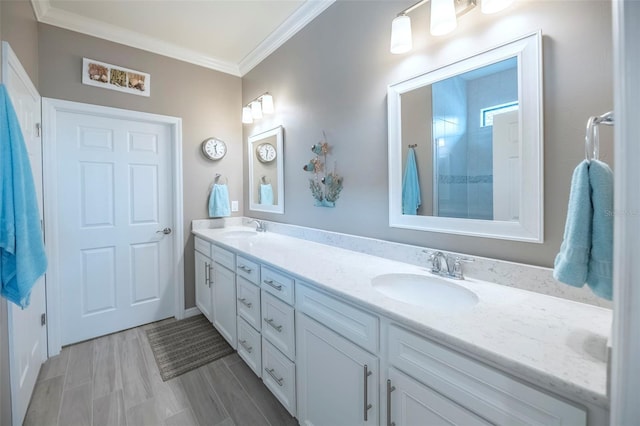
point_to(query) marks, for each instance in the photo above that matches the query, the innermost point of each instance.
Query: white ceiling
(231, 36)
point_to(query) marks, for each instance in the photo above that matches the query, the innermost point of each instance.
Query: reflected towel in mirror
(219, 201)
(410, 185)
(266, 194)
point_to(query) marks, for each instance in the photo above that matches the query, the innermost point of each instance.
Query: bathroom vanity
(322, 328)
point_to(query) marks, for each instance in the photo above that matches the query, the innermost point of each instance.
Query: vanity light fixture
(444, 15)
(255, 109)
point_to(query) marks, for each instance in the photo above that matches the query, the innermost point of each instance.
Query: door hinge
(38, 129)
(43, 319)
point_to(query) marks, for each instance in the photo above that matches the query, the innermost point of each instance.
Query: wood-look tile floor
(114, 380)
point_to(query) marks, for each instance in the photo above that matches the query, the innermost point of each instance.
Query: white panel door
(27, 336)
(204, 267)
(114, 186)
(223, 294)
(506, 167)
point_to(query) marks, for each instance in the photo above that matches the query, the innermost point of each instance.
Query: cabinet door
(203, 286)
(411, 404)
(337, 380)
(223, 286)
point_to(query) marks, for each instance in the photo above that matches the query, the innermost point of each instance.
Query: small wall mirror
(266, 171)
(465, 146)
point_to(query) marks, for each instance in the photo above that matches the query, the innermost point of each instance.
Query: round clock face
(214, 149)
(266, 152)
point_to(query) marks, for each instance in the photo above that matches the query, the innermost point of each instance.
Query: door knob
(165, 231)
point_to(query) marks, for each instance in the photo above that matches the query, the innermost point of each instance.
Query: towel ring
(264, 180)
(592, 140)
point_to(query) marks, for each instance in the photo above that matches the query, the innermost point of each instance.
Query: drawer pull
(272, 324)
(272, 373)
(367, 406)
(245, 346)
(273, 284)
(389, 390)
(244, 302)
(245, 268)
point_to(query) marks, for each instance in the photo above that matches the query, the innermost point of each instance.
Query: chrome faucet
(260, 225)
(447, 266)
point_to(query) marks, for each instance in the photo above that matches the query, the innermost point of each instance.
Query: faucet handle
(457, 266)
(430, 253)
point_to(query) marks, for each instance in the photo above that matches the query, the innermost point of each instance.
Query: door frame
(50, 110)
(625, 364)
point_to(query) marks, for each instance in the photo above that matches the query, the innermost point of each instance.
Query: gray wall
(333, 76)
(18, 26)
(209, 103)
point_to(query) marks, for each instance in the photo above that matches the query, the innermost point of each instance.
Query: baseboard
(191, 312)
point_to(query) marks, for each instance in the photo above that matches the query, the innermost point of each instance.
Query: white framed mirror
(472, 132)
(266, 171)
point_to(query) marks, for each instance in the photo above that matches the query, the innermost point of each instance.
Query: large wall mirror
(465, 146)
(266, 171)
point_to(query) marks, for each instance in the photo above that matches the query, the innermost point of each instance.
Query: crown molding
(74, 22)
(294, 23)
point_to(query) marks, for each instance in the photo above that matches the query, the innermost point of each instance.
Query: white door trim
(625, 363)
(50, 109)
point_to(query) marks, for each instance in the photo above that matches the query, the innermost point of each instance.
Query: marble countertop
(554, 343)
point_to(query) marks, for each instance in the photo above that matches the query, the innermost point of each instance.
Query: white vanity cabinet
(338, 371)
(337, 380)
(204, 267)
(223, 294)
(429, 377)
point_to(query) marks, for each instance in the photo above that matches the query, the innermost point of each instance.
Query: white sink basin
(424, 290)
(240, 233)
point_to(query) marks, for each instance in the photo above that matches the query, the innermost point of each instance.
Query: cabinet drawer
(279, 375)
(248, 269)
(250, 346)
(358, 326)
(203, 246)
(249, 302)
(278, 324)
(277, 284)
(479, 388)
(224, 257)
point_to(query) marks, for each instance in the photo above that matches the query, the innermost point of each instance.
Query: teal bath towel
(266, 194)
(219, 201)
(600, 275)
(586, 251)
(410, 185)
(22, 255)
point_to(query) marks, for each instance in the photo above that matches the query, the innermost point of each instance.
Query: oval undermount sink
(240, 233)
(424, 290)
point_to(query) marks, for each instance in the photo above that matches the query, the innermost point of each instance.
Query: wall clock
(266, 152)
(214, 149)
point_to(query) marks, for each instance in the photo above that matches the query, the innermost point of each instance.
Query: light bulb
(256, 110)
(401, 35)
(267, 104)
(443, 17)
(493, 6)
(246, 115)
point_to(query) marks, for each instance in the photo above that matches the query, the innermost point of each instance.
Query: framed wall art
(113, 77)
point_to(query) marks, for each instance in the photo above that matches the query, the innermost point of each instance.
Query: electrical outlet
(234, 206)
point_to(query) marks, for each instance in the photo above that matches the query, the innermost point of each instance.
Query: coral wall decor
(325, 185)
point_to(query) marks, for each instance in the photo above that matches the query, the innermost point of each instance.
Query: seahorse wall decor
(325, 185)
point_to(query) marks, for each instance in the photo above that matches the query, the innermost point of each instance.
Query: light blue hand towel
(600, 275)
(571, 264)
(219, 201)
(266, 194)
(586, 253)
(22, 256)
(410, 185)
